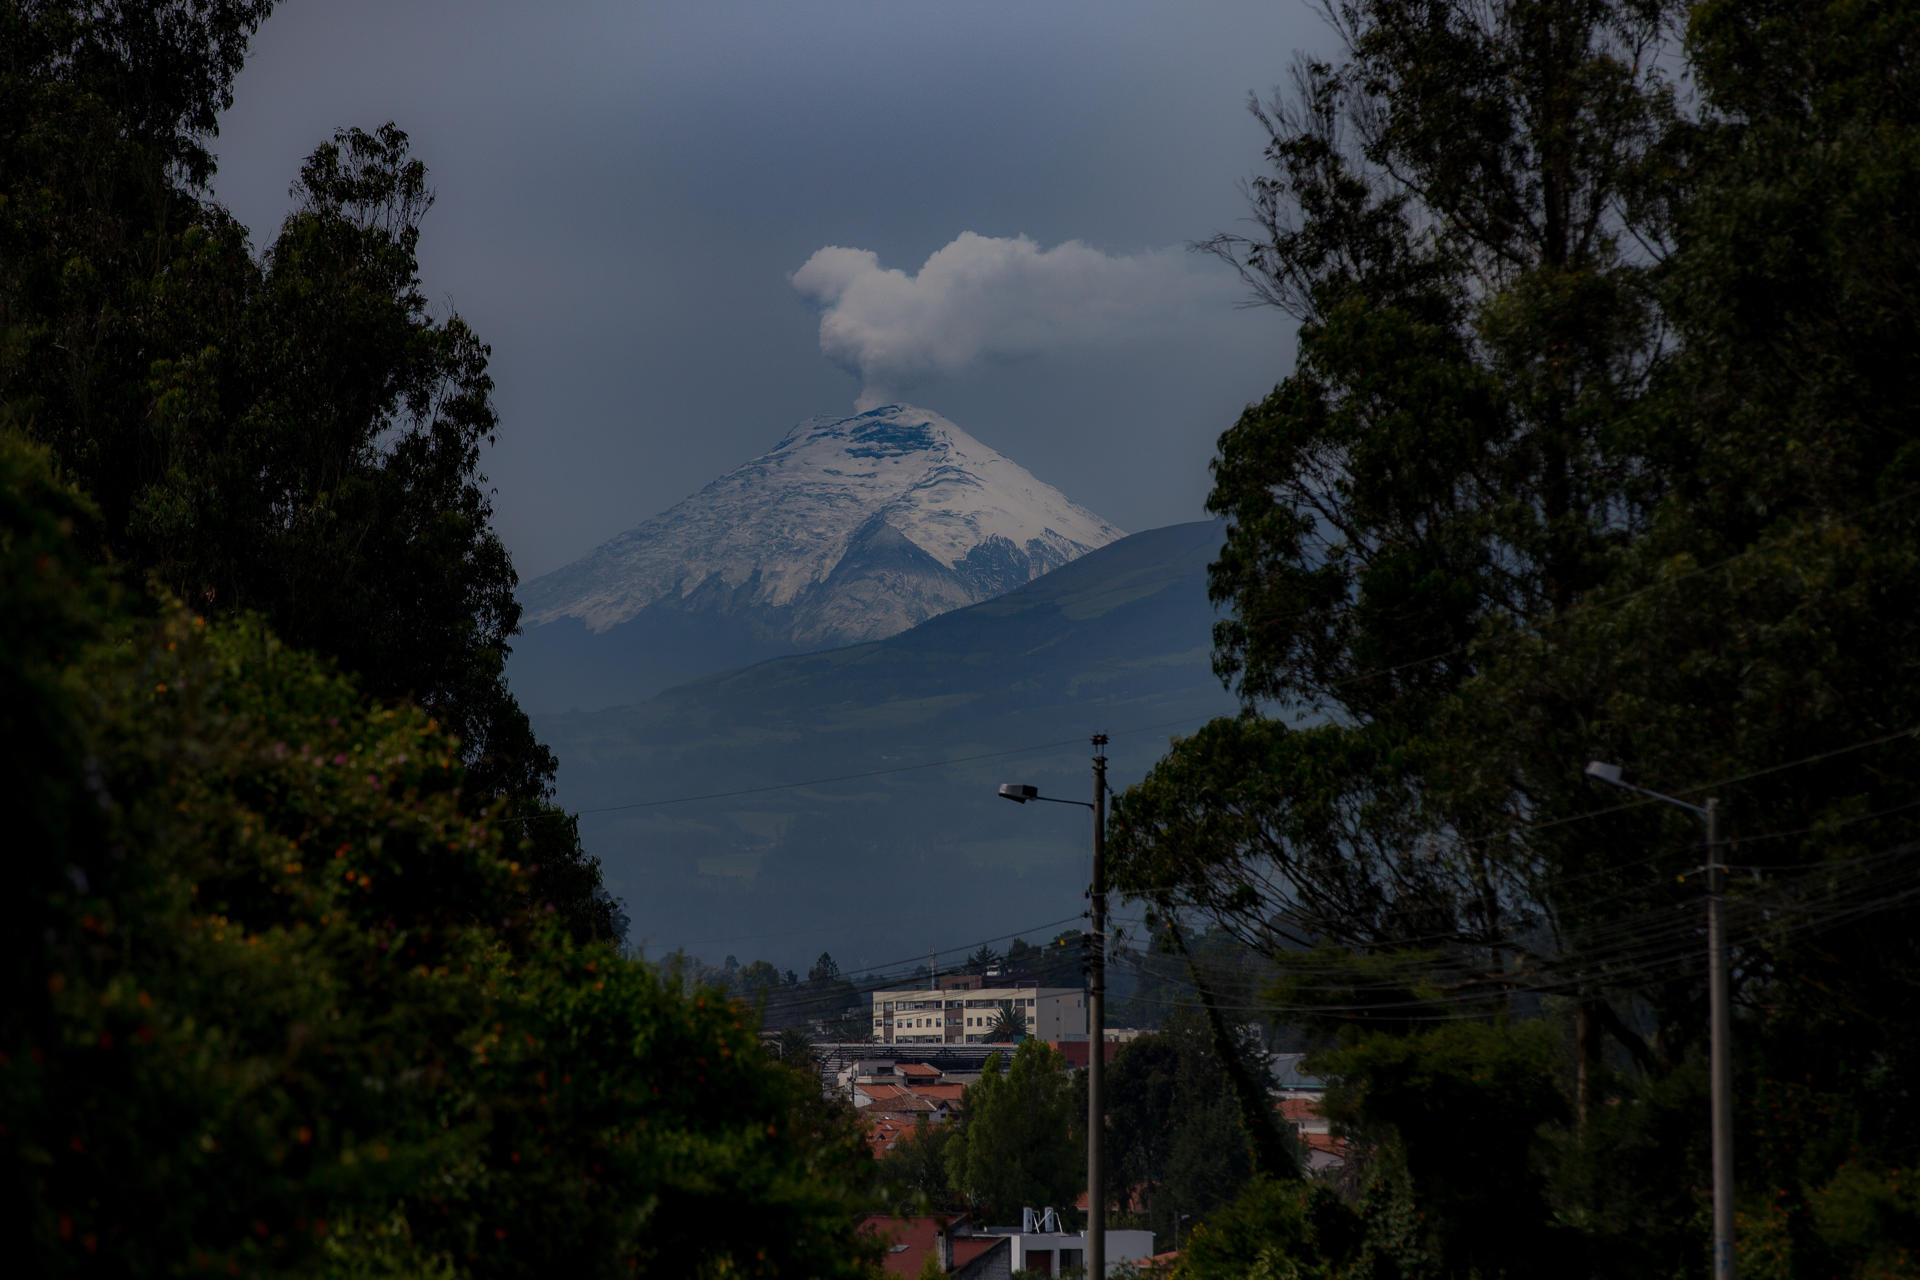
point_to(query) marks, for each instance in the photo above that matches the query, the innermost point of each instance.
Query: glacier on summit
(849, 530)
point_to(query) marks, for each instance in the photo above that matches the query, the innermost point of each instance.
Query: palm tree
(793, 1046)
(1009, 1025)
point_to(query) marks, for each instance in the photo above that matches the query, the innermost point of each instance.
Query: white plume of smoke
(988, 296)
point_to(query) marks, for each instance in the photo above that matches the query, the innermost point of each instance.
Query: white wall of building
(1122, 1246)
(923, 1016)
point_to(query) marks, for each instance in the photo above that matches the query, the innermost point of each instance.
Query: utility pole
(1097, 1025)
(1096, 969)
(1719, 1016)
(1720, 1051)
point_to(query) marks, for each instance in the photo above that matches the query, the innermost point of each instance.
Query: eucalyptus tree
(1465, 214)
(1599, 443)
(294, 433)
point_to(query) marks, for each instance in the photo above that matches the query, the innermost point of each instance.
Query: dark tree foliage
(793, 1047)
(1164, 980)
(161, 70)
(1174, 1133)
(294, 435)
(1599, 444)
(1449, 214)
(914, 1174)
(1020, 1144)
(825, 1005)
(276, 1004)
(1292, 1229)
(1465, 1103)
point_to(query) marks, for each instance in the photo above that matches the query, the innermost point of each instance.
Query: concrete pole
(1097, 1026)
(1720, 1020)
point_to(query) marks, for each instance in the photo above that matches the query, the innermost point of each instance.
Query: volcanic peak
(849, 529)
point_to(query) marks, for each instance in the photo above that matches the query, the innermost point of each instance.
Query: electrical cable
(875, 978)
(1675, 941)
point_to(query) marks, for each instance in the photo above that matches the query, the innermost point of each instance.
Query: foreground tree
(295, 436)
(1599, 444)
(1175, 1135)
(1018, 1146)
(273, 1005)
(914, 1175)
(1445, 216)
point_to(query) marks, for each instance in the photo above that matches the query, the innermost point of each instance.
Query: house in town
(1323, 1148)
(967, 1252)
(960, 1253)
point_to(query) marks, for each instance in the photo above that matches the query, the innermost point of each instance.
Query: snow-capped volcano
(850, 529)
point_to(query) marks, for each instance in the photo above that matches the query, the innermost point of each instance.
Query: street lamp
(1719, 1017)
(1020, 793)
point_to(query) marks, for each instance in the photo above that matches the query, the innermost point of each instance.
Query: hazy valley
(880, 867)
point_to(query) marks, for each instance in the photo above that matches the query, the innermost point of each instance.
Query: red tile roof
(884, 1131)
(918, 1069)
(909, 1241)
(967, 1248)
(1075, 1051)
(1299, 1108)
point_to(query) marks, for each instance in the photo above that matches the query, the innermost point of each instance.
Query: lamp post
(1719, 1018)
(1020, 793)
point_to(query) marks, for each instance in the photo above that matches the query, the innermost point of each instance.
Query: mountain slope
(849, 530)
(1118, 641)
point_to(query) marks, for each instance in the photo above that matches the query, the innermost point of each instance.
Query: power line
(1655, 944)
(1638, 803)
(875, 978)
(1649, 947)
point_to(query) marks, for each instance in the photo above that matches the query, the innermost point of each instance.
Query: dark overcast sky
(626, 189)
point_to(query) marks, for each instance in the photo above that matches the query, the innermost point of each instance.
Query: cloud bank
(986, 296)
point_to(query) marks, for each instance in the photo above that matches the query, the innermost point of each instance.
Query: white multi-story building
(923, 1015)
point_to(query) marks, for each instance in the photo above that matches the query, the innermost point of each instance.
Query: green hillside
(879, 868)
